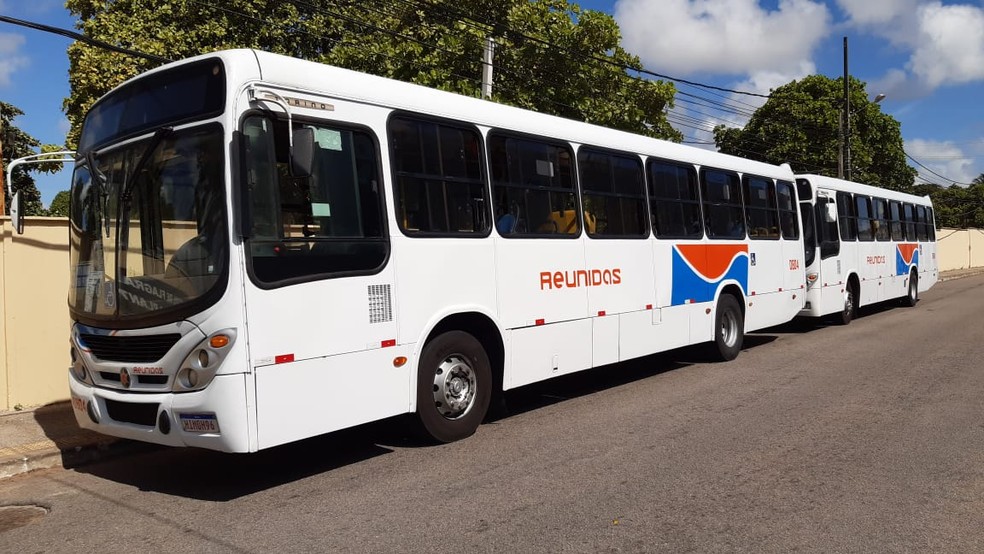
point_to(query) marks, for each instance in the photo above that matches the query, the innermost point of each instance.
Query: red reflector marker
(539, 322)
(283, 359)
(601, 313)
(649, 306)
(388, 343)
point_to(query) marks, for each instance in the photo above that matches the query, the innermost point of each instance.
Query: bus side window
(866, 230)
(533, 187)
(895, 216)
(674, 202)
(827, 230)
(613, 193)
(786, 196)
(909, 219)
(724, 216)
(921, 226)
(439, 181)
(760, 207)
(847, 216)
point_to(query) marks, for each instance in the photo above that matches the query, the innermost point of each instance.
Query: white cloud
(944, 158)
(892, 19)
(951, 45)
(722, 36)
(946, 42)
(10, 57)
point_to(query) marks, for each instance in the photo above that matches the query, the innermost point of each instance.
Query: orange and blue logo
(698, 270)
(906, 256)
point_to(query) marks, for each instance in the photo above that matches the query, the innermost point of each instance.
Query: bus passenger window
(438, 179)
(674, 202)
(613, 193)
(533, 187)
(788, 220)
(895, 219)
(724, 216)
(760, 208)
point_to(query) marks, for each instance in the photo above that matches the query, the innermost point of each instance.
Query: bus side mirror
(302, 153)
(16, 206)
(830, 213)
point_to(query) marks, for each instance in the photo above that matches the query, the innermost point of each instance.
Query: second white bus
(864, 245)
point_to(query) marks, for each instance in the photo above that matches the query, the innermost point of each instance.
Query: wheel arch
(480, 325)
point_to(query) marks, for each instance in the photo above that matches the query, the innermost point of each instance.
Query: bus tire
(729, 328)
(912, 296)
(454, 386)
(850, 305)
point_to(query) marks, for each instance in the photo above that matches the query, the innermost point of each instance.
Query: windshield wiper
(155, 141)
(99, 178)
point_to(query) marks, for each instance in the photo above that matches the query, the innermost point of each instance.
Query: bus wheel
(729, 328)
(850, 305)
(913, 296)
(454, 386)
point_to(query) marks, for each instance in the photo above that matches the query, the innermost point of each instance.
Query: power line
(917, 162)
(83, 38)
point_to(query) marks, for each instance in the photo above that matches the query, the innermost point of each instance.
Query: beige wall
(34, 322)
(960, 248)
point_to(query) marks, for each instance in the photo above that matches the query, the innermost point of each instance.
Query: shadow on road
(220, 477)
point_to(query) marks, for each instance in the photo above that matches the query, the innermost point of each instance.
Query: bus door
(830, 273)
(320, 294)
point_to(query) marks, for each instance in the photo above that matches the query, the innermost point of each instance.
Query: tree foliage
(59, 205)
(546, 55)
(18, 144)
(800, 125)
(957, 207)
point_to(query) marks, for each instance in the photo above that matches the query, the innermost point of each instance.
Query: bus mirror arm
(302, 154)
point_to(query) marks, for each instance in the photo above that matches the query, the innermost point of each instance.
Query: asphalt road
(865, 438)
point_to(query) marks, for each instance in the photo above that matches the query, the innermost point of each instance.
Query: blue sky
(927, 56)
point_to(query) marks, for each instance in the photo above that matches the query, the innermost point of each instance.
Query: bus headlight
(78, 368)
(199, 367)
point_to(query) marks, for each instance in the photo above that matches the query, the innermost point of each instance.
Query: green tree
(800, 125)
(59, 205)
(17, 144)
(437, 44)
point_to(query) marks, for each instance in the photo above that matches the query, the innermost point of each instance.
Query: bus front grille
(133, 349)
(128, 412)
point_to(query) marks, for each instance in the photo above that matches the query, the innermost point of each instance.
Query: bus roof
(244, 65)
(842, 185)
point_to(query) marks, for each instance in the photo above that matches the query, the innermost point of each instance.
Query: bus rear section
(864, 245)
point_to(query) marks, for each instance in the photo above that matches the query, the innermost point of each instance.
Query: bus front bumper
(215, 418)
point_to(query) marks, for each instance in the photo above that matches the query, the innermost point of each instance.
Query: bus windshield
(163, 247)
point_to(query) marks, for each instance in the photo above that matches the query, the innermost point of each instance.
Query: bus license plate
(199, 423)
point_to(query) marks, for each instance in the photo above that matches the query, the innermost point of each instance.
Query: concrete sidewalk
(45, 437)
(49, 436)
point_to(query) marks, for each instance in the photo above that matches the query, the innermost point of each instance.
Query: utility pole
(487, 54)
(847, 117)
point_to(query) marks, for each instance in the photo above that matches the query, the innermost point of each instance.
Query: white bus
(864, 245)
(265, 249)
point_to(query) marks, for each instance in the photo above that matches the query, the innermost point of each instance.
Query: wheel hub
(454, 387)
